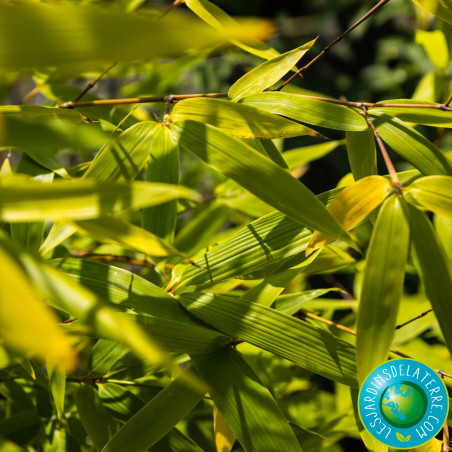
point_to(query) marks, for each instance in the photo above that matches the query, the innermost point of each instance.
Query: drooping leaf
(155, 419)
(245, 403)
(433, 193)
(218, 19)
(163, 167)
(309, 347)
(23, 199)
(439, 8)
(224, 436)
(308, 109)
(57, 382)
(26, 324)
(352, 205)
(254, 172)
(411, 145)
(362, 154)
(98, 35)
(382, 286)
(432, 265)
(267, 73)
(238, 120)
(124, 156)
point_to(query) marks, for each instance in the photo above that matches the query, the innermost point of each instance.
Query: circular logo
(403, 403)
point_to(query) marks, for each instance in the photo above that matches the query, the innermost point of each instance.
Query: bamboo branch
(415, 318)
(93, 83)
(331, 44)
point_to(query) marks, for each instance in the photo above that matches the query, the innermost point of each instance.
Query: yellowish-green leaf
(130, 236)
(352, 205)
(94, 35)
(237, 119)
(439, 8)
(308, 109)
(306, 154)
(224, 436)
(400, 437)
(218, 19)
(24, 199)
(435, 44)
(26, 324)
(258, 174)
(433, 193)
(434, 445)
(362, 153)
(382, 286)
(268, 73)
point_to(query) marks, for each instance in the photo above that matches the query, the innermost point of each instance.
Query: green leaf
(411, 145)
(57, 382)
(268, 73)
(435, 45)
(218, 19)
(309, 347)
(432, 265)
(439, 8)
(432, 193)
(362, 153)
(108, 228)
(301, 156)
(103, 35)
(163, 167)
(245, 403)
(23, 199)
(309, 110)
(124, 156)
(96, 420)
(224, 436)
(431, 116)
(382, 286)
(254, 172)
(238, 120)
(155, 419)
(119, 400)
(26, 323)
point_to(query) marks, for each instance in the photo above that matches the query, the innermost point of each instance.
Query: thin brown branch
(137, 100)
(412, 320)
(350, 331)
(389, 165)
(339, 38)
(171, 7)
(93, 83)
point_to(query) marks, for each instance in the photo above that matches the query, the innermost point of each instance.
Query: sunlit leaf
(268, 73)
(26, 324)
(253, 416)
(435, 45)
(439, 8)
(362, 153)
(302, 156)
(308, 109)
(352, 205)
(238, 120)
(382, 286)
(224, 437)
(433, 193)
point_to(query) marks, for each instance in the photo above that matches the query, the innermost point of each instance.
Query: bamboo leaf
(352, 205)
(124, 156)
(218, 19)
(439, 8)
(26, 324)
(132, 237)
(245, 403)
(57, 382)
(302, 156)
(267, 73)
(382, 286)
(163, 167)
(362, 153)
(309, 347)
(254, 172)
(432, 265)
(411, 145)
(24, 199)
(99, 35)
(433, 193)
(238, 120)
(435, 45)
(431, 116)
(155, 419)
(224, 436)
(309, 110)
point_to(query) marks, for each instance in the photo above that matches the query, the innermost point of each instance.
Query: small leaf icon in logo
(402, 438)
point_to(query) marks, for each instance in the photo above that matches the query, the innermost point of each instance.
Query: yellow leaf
(352, 205)
(26, 324)
(434, 445)
(224, 438)
(400, 437)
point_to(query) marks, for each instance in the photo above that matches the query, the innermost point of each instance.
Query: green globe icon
(403, 404)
